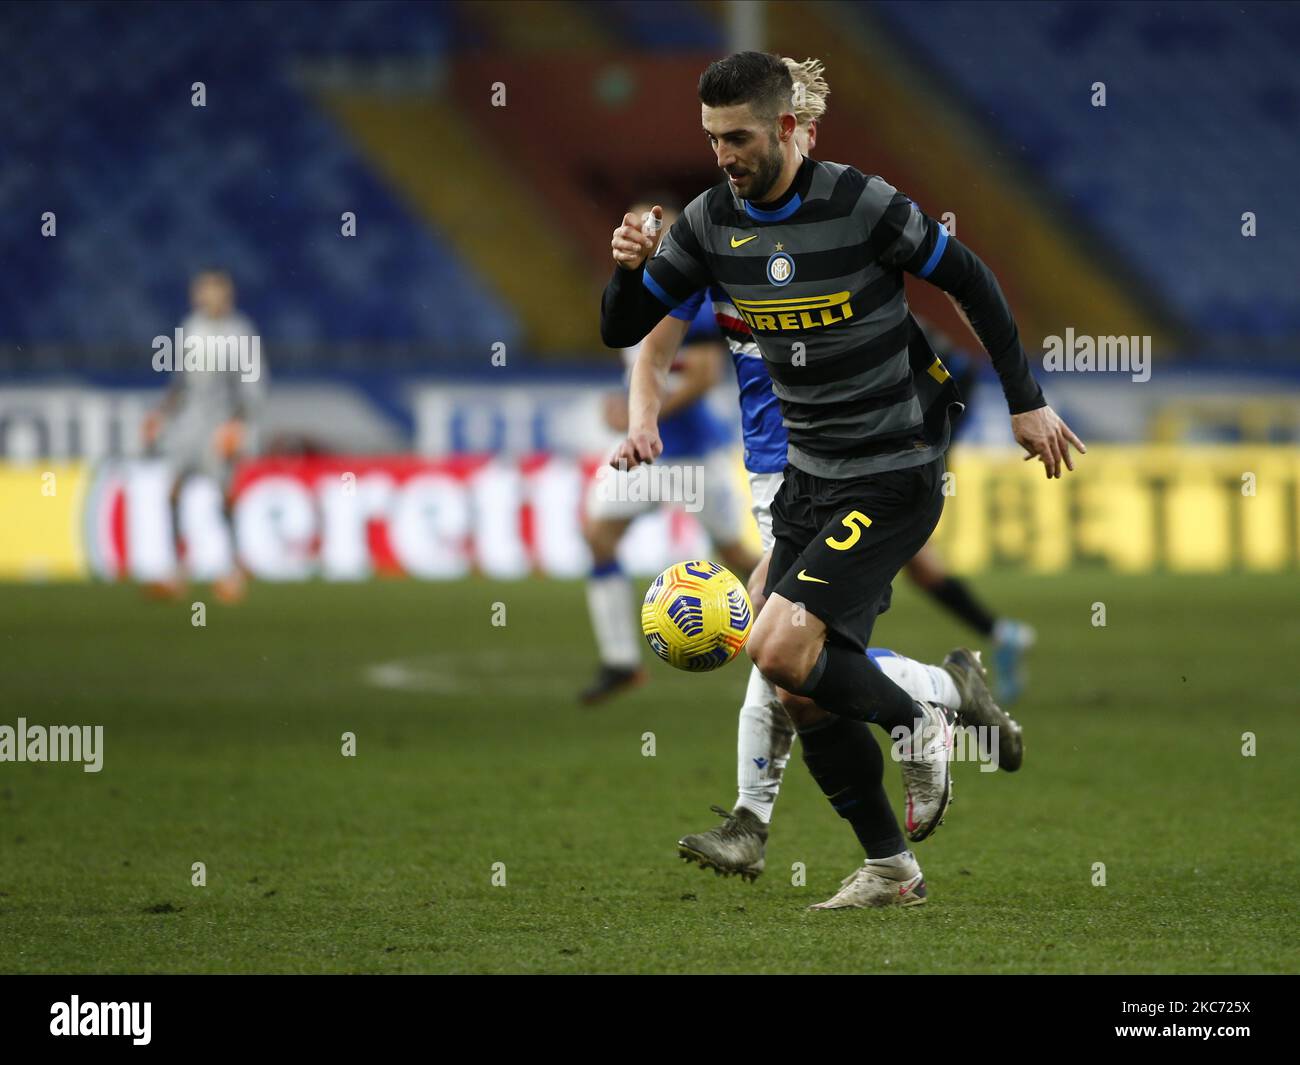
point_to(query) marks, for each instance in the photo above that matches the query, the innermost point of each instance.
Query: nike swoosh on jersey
(803, 576)
(737, 243)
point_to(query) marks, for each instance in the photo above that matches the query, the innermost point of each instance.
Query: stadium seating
(1200, 126)
(267, 168)
(102, 133)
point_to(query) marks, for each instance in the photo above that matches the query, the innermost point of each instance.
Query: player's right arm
(699, 369)
(156, 420)
(649, 382)
(652, 276)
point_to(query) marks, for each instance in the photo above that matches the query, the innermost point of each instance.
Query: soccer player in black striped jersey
(812, 254)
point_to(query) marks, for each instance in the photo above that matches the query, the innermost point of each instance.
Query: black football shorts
(839, 543)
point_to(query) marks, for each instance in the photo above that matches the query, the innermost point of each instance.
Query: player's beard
(767, 173)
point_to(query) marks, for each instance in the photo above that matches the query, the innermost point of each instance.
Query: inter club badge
(780, 268)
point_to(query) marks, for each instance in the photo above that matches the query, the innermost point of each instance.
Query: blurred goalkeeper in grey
(208, 419)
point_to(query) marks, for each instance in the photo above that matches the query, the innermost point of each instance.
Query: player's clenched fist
(639, 447)
(634, 241)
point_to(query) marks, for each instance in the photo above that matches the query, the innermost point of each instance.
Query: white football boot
(925, 758)
(879, 882)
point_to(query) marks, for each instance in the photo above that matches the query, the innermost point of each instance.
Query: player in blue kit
(695, 472)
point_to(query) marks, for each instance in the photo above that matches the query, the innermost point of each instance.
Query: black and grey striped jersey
(818, 278)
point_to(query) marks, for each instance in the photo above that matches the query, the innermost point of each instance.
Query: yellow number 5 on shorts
(851, 522)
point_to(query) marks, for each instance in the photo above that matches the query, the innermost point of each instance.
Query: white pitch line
(465, 674)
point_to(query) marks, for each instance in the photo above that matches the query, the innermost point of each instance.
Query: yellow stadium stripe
(492, 218)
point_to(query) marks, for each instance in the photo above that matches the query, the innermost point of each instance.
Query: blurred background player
(693, 437)
(765, 732)
(207, 419)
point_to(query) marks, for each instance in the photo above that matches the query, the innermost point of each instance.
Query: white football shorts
(704, 487)
(762, 490)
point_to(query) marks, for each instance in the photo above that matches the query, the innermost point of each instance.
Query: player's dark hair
(759, 79)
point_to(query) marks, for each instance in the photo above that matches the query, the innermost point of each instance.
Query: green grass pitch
(223, 745)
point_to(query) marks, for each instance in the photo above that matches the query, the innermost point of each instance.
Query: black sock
(849, 684)
(845, 760)
(953, 594)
